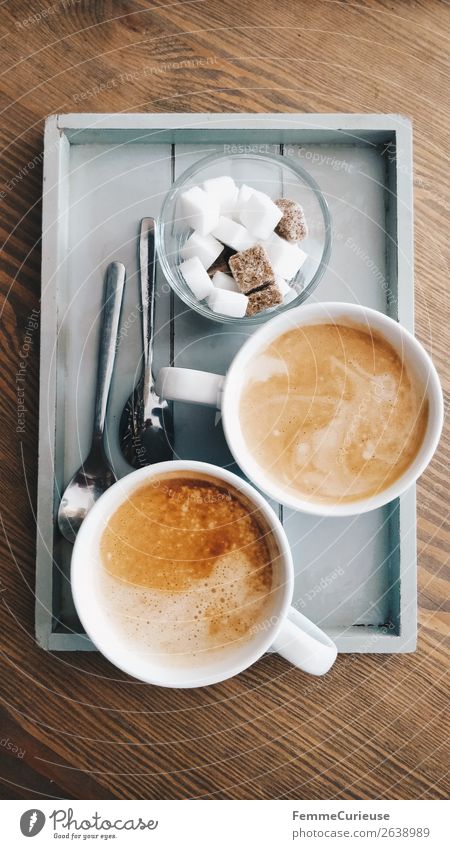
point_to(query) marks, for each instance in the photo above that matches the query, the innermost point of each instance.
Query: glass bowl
(276, 175)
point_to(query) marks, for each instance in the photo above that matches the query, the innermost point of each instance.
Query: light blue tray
(356, 577)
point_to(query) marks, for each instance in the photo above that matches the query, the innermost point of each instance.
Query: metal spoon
(146, 424)
(95, 475)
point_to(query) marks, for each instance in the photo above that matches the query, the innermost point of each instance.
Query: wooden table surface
(72, 726)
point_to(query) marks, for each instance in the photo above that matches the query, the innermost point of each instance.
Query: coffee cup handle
(304, 644)
(190, 385)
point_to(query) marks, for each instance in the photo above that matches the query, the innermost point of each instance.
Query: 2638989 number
(405, 832)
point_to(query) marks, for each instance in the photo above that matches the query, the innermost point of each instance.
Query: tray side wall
(54, 248)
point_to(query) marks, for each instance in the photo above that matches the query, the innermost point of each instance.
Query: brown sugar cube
(292, 225)
(252, 269)
(262, 299)
(221, 263)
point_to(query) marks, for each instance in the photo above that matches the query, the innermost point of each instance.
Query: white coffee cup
(284, 630)
(198, 387)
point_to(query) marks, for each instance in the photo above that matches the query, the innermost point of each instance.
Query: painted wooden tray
(356, 577)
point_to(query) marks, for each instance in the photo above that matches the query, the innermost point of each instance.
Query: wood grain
(377, 726)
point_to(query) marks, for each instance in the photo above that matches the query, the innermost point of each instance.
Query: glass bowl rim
(259, 318)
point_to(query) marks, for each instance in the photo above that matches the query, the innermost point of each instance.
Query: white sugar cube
(224, 281)
(196, 277)
(224, 190)
(286, 257)
(260, 215)
(233, 304)
(244, 194)
(207, 248)
(233, 234)
(282, 285)
(199, 210)
(288, 293)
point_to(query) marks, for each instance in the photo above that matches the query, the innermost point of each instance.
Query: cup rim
(261, 318)
(80, 573)
(330, 311)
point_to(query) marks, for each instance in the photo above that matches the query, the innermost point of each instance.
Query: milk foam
(212, 616)
(186, 568)
(330, 412)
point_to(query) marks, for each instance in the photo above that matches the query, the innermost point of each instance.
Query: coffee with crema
(331, 413)
(188, 568)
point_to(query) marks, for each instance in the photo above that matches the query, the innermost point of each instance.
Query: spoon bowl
(87, 485)
(146, 437)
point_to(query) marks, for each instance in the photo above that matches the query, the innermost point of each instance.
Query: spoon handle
(147, 272)
(112, 303)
